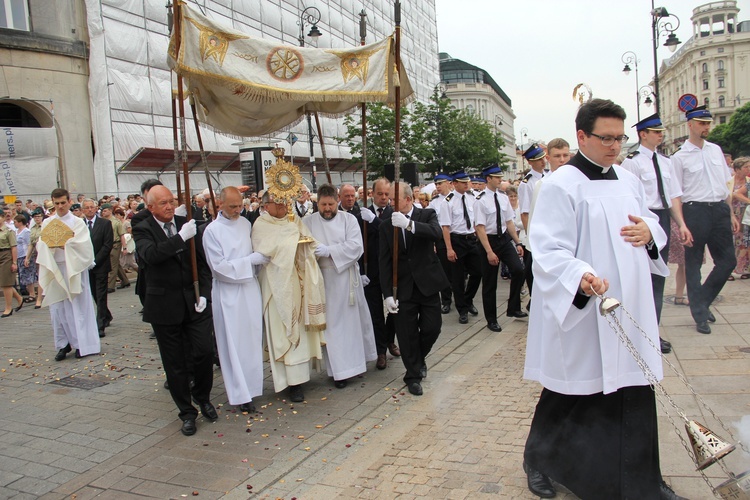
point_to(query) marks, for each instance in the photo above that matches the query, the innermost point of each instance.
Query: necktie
(498, 218)
(659, 182)
(380, 212)
(466, 212)
(91, 225)
(168, 227)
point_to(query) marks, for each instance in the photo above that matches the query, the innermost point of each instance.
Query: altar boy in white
(236, 298)
(350, 341)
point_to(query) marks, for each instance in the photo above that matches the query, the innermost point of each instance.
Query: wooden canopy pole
(397, 146)
(185, 173)
(203, 158)
(323, 149)
(362, 36)
(178, 182)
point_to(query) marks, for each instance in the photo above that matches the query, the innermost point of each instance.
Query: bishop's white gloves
(181, 210)
(399, 220)
(322, 251)
(364, 279)
(258, 259)
(188, 230)
(367, 215)
(201, 305)
(392, 305)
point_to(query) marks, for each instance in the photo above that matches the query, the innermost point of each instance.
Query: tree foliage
(734, 137)
(434, 135)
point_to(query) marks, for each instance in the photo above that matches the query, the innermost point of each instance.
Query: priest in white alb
(350, 341)
(595, 425)
(236, 299)
(63, 274)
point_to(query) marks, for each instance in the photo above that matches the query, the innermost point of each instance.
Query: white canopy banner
(249, 86)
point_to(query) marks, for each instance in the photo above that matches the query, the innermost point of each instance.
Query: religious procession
(278, 280)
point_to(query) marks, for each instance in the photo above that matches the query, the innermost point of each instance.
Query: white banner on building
(28, 161)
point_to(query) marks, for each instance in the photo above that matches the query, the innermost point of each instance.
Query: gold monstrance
(284, 182)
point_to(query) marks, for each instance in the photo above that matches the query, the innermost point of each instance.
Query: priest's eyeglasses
(608, 140)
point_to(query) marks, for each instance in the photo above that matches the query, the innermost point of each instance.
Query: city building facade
(473, 89)
(714, 65)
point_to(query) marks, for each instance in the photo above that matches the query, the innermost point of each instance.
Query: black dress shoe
(703, 327)
(107, 322)
(152, 335)
(62, 353)
(494, 327)
(208, 411)
(5, 315)
(711, 318)
(415, 388)
(445, 308)
(539, 484)
(473, 310)
(110, 290)
(666, 346)
(667, 493)
(166, 385)
(463, 318)
(188, 427)
(78, 354)
(340, 384)
(423, 371)
(123, 285)
(296, 395)
(20, 305)
(518, 314)
(247, 407)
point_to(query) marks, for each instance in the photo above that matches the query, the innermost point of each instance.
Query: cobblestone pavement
(104, 426)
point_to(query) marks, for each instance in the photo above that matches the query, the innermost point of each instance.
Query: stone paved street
(104, 425)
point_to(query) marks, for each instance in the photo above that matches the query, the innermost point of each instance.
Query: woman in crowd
(8, 268)
(512, 193)
(739, 203)
(23, 241)
(35, 291)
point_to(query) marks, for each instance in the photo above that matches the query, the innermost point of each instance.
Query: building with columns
(472, 88)
(714, 65)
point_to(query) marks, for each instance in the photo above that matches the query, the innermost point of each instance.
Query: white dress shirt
(453, 213)
(702, 172)
(485, 211)
(642, 166)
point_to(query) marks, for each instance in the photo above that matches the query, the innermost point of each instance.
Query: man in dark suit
(101, 238)
(420, 279)
(181, 324)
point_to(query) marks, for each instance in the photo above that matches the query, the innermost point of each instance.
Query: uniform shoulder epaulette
(527, 177)
(450, 196)
(678, 149)
(633, 154)
(479, 196)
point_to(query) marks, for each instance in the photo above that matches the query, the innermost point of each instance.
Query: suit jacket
(169, 295)
(418, 264)
(102, 237)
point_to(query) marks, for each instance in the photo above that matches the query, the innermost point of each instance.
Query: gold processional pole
(185, 173)
(362, 36)
(397, 148)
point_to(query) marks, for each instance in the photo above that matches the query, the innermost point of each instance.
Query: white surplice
(237, 307)
(350, 340)
(576, 229)
(64, 277)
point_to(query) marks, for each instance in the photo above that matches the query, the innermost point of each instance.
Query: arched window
(721, 64)
(705, 67)
(12, 115)
(721, 101)
(470, 108)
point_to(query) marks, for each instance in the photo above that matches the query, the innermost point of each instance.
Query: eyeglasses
(609, 140)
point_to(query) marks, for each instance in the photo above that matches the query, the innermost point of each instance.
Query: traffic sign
(687, 102)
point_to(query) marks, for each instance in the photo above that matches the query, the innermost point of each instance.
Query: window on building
(705, 84)
(721, 101)
(14, 14)
(705, 67)
(722, 119)
(721, 50)
(721, 83)
(470, 108)
(705, 101)
(703, 52)
(721, 64)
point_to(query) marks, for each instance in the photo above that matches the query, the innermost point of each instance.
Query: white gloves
(322, 251)
(181, 210)
(92, 266)
(392, 305)
(399, 220)
(364, 279)
(367, 215)
(188, 230)
(201, 305)
(258, 259)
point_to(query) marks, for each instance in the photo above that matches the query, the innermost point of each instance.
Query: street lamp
(645, 93)
(661, 23)
(498, 123)
(312, 16)
(629, 58)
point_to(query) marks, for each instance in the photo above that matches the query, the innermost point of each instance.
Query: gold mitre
(283, 180)
(56, 233)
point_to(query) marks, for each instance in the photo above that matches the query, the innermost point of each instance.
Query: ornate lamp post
(645, 93)
(311, 15)
(661, 24)
(629, 58)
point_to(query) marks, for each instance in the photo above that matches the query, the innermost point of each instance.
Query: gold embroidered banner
(249, 86)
